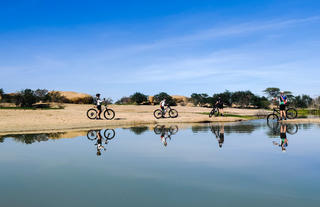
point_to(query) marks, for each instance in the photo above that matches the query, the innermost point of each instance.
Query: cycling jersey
(163, 103)
(283, 100)
(99, 102)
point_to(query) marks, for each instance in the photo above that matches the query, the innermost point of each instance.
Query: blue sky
(180, 47)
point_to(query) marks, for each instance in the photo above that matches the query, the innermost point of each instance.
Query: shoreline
(73, 118)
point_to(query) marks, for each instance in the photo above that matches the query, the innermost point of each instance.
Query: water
(137, 169)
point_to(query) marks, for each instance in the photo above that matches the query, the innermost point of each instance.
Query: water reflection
(218, 131)
(165, 132)
(101, 135)
(31, 138)
(276, 127)
(283, 138)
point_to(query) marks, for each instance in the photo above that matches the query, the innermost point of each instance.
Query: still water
(238, 164)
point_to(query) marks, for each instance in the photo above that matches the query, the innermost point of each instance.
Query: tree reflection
(31, 138)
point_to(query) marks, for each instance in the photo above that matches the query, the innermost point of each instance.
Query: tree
(260, 102)
(159, 97)
(139, 98)
(42, 94)
(272, 92)
(26, 98)
(225, 97)
(1, 93)
(302, 101)
(124, 100)
(56, 96)
(199, 99)
(242, 98)
(108, 101)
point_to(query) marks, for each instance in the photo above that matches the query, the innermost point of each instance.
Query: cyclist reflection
(165, 132)
(108, 134)
(283, 137)
(219, 132)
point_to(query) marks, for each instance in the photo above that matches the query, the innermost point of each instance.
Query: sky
(180, 47)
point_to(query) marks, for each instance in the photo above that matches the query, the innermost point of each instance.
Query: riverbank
(73, 117)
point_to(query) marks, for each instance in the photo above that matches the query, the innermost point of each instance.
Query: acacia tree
(272, 92)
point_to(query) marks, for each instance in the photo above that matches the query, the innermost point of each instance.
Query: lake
(230, 164)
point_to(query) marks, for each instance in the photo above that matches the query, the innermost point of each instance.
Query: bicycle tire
(291, 113)
(92, 114)
(92, 135)
(174, 129)
(292, 129)
(158, 129)
(109, 134)
(173, 113)
(157, 114)
(109, 114)
(272, 118)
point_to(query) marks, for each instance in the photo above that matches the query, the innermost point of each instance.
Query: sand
(73, 117)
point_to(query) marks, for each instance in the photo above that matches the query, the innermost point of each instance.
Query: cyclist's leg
(99, 111)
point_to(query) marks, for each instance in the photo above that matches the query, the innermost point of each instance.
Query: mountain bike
(107, 113)
(172, 113)
(214, 111)
(291, 113)
(108, 134)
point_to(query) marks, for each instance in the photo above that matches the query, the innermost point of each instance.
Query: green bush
(139, 98)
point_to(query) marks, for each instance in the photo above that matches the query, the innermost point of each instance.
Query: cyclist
(283, 102)
(219, 105)
(98, 103)
(162, 105)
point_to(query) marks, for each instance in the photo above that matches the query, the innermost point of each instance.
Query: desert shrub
(55, 96)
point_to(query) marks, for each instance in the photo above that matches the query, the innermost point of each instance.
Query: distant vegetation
(240, 99)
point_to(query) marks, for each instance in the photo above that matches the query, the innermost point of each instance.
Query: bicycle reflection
(165, 132)
(218, 131)
(99, 136)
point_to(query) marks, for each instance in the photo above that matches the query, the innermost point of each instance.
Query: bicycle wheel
(158, 129)
(211, 113)
(109, 114)
(291, 113)
(92, 113)
(272, 118)
(173, 129)
(173, 113)
(109, 134)
(157, 113)
(92, 135)
(292, 129)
